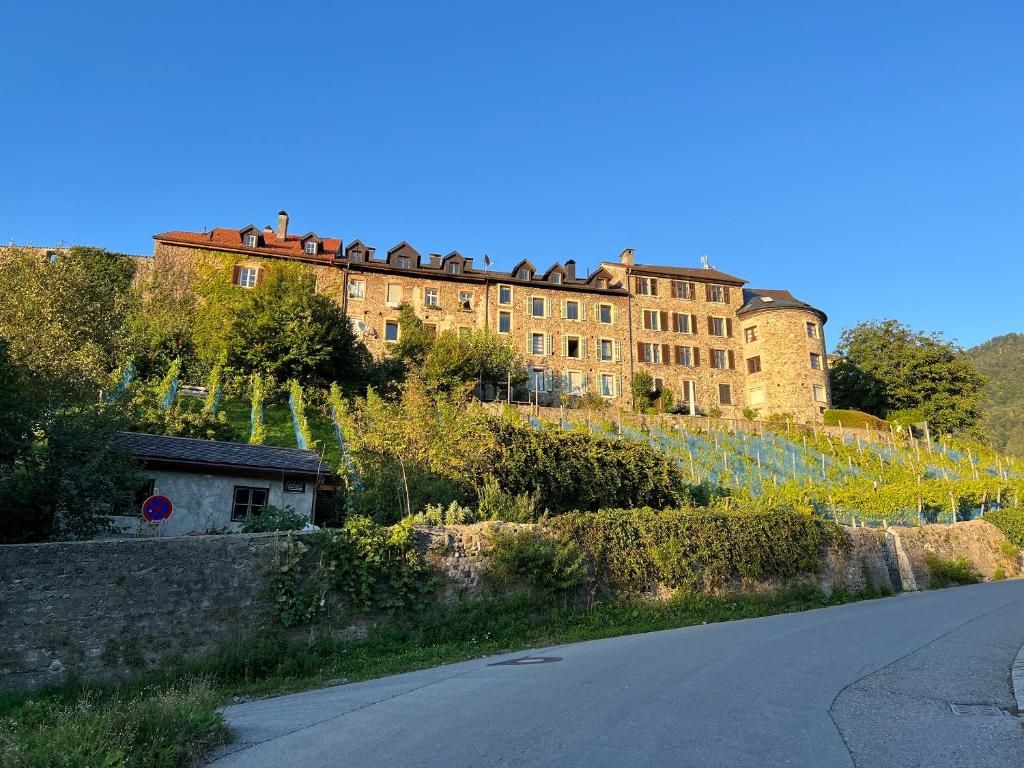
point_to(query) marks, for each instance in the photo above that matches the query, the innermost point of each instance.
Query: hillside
(1001, 359)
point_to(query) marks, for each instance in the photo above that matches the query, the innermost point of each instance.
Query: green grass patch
(945, 572)
(323, 432)
(239, 413)
(280, 431)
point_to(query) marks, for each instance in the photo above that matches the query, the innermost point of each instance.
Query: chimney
(570, 271)
(282, 225)
(626, 257)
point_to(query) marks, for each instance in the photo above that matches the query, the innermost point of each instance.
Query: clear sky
(868, 156)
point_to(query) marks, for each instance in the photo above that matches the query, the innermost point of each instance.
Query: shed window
(248, 501)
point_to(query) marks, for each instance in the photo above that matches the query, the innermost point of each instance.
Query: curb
(1017, 680)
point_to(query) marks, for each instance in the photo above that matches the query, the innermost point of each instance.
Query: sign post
(157, 510)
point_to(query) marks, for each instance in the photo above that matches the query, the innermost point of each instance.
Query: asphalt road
(867, 684)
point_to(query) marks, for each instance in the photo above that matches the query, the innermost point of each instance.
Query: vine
(257, 427)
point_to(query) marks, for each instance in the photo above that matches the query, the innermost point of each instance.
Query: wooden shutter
(565, 346)
(260, 272)
(693, 324)
(564, 315)
(728, 327)
(664, 321)
(618, 385)
(654, 286)
(236, 274)
(711, 326)
(583, 347)
(666, 352)
(696, 357)
(707, 292)
(618, 351)
(547, 307)
(583, 311)
(732, 360)
(548, 343)
(640, 351)
(725, 293)
(647, 320)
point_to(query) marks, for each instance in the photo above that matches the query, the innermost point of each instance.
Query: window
(404, 262)
(356, 289)
(819, 393)
(725, 394)
(504, 322)
(356, 256)
(453, 267)
(717, 293)
(652, 320)
(523, 274)
(717, 326)
(537, 307)
(602, 283)
(719, 358)
(684, 356)
(647, 286)
(754, 364)
(556, 278)
(689, 394)
(466, 301)
(537, 343)
(309, 247)
(572, 310)
(251, 240)
(573, 347)
(132, 503)
(604, 313)
(682, 289)
(245, 277)
(540, 380)
(683, 323)
(430, 297)
(815, 361)
(575, 383)
(505, 294)
(607, 385)
(248, 501)
(605, 350)
(756, 396)
(812, 330)
(391, 330)
(750, 334)
(394, 294)
(651, 353)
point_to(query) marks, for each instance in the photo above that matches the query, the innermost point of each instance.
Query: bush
(945, 572)
(835, 417)
(179, 421)
(140, 728)
(635, 550)
(577, 470)
(1010, 522)
(272, 518)
(550, 568)
(495, 504)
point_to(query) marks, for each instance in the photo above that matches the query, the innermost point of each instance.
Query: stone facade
(578, 335)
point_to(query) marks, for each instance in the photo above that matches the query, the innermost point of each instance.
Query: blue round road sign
(157, 509)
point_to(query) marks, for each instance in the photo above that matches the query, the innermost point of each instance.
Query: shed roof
(219, 454)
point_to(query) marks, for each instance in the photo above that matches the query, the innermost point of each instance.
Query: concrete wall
(203, 502)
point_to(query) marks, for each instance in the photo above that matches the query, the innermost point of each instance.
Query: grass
(945, 572)
(171, 717)
(278, 420)
(238, 413)
(326, 439)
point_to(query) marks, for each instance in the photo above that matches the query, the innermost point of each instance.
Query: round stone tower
(785, 362)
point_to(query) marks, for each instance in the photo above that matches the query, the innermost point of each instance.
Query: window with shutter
(666, 351)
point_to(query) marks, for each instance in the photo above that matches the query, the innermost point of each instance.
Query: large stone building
(698, 331)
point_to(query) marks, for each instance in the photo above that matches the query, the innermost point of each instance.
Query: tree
(66, 321)
(286, 330)
(886, 367)
(458, 361)
(642, 388)
(18, 411)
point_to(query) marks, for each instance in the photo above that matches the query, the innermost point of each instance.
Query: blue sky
(866, 156)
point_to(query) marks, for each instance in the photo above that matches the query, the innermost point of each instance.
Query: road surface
(867, 684)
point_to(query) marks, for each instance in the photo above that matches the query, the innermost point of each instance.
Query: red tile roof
(232, 238)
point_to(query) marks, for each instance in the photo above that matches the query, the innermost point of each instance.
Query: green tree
(286, 330)
(66, 321)
(885, 367)
(643, 391)
(18, 411)
(458, 361)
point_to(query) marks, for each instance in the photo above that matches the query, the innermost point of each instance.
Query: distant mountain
(1001, 359)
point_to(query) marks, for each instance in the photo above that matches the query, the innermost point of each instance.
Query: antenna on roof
(704, 262)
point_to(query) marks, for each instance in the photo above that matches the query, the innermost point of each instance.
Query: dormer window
(523, 274)
(403, 262)
(602, 282)
(251, 240)
(556, 278)
(453, 267)
(310, 247)
(356, 256)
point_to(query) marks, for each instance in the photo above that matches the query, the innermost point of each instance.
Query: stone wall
(104, 609)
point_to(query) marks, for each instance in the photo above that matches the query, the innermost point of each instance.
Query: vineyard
(852, 476)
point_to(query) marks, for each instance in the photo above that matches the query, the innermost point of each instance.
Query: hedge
(835, 417)
(635, 550)
(1010, 522)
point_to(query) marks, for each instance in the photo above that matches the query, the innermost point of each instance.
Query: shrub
(835, 417)
(1011, 523)
(999, 574)
(751, 414)
(179, 421)
(550, 568)
(436, 514)
(634, 550)
(495, 504)
(945, 572)
(272, 518)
